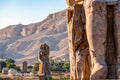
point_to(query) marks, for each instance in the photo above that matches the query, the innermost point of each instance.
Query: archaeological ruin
(24, 68)
(94, 39)
(44, 66)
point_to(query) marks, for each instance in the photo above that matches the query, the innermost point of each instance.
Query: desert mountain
(22, 42)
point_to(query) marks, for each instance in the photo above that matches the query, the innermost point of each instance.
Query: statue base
(41, 70)
(42, 75)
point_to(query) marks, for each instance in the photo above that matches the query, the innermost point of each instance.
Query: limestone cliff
(54, 23)
(21, 42)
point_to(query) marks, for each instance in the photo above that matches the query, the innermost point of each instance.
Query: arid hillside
(22, 42)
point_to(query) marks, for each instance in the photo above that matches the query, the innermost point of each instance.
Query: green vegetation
(17, 68)
(49, 78)
(3, 64)
(66, 67)
(35, 67)
(30, 67)
(59, 66)
(8, 60)
(54, 66)
(9, 63)
(60, 76)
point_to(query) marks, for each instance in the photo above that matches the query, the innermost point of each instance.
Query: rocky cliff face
(54, 23)
(22, 42)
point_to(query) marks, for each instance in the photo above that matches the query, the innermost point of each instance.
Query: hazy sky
(27, 11)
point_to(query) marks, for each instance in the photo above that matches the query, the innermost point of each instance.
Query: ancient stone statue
(79, 54)
(43, 58)
(96, 43)
(99, 21)
(24, 67)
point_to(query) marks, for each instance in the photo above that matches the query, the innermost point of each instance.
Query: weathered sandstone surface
(94, 23)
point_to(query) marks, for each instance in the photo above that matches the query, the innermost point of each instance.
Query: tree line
(54, 66)
(9, 63)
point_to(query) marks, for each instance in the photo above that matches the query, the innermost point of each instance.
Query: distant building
(5, 70)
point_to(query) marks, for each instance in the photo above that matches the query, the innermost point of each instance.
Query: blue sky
(27, 11)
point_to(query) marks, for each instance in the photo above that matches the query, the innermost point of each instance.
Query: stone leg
(77, 42)
(47, 69)
(87, 66)
(96, 28)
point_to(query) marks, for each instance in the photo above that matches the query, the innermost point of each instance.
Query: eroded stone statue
(43, 58)
(24, 69)
(99, 20)
(96, 36)
(79, 54)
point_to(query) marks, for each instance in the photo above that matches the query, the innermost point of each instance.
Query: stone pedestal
(41, 70)
(24, 67)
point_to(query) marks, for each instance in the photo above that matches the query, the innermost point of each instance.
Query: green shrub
(35, 67)
(3, 64)
(11, 65)
(8, 60)
(59, 66)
